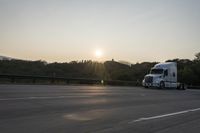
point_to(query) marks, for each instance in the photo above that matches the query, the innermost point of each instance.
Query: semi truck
(163, 75)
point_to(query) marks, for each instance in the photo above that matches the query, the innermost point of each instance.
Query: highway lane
(97, 109)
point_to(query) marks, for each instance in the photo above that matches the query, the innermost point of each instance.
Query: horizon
(132, 31)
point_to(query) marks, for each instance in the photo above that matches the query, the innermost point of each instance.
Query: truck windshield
(156, 71)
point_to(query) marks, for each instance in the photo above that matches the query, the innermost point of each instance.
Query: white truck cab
(162, 75)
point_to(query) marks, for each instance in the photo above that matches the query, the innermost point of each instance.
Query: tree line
(188, 70)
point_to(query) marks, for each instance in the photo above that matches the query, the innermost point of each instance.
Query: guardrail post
(52, 80)
(12, 80)
(67, 81)
(34, 81)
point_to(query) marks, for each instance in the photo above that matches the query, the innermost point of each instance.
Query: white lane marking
(165, 115)
(33, 98)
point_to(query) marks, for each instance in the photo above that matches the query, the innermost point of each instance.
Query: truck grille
(148, 79)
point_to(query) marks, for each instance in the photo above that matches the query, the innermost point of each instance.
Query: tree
(197, 56)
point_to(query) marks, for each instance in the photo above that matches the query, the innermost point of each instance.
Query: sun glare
(98, 53)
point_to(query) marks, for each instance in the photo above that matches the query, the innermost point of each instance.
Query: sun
(98, 53)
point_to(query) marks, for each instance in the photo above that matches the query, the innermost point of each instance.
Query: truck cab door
(166, 77)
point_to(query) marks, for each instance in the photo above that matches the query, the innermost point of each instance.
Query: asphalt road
(92, 109)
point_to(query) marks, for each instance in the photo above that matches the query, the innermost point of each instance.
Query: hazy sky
(131, 30)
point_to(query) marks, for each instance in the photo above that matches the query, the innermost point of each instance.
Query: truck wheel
(162, 85)
(178, 87)
(182, 86)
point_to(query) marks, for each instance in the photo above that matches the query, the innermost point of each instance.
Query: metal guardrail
(6, 78)
(14, 78)
(55, 80)
(193, 87)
